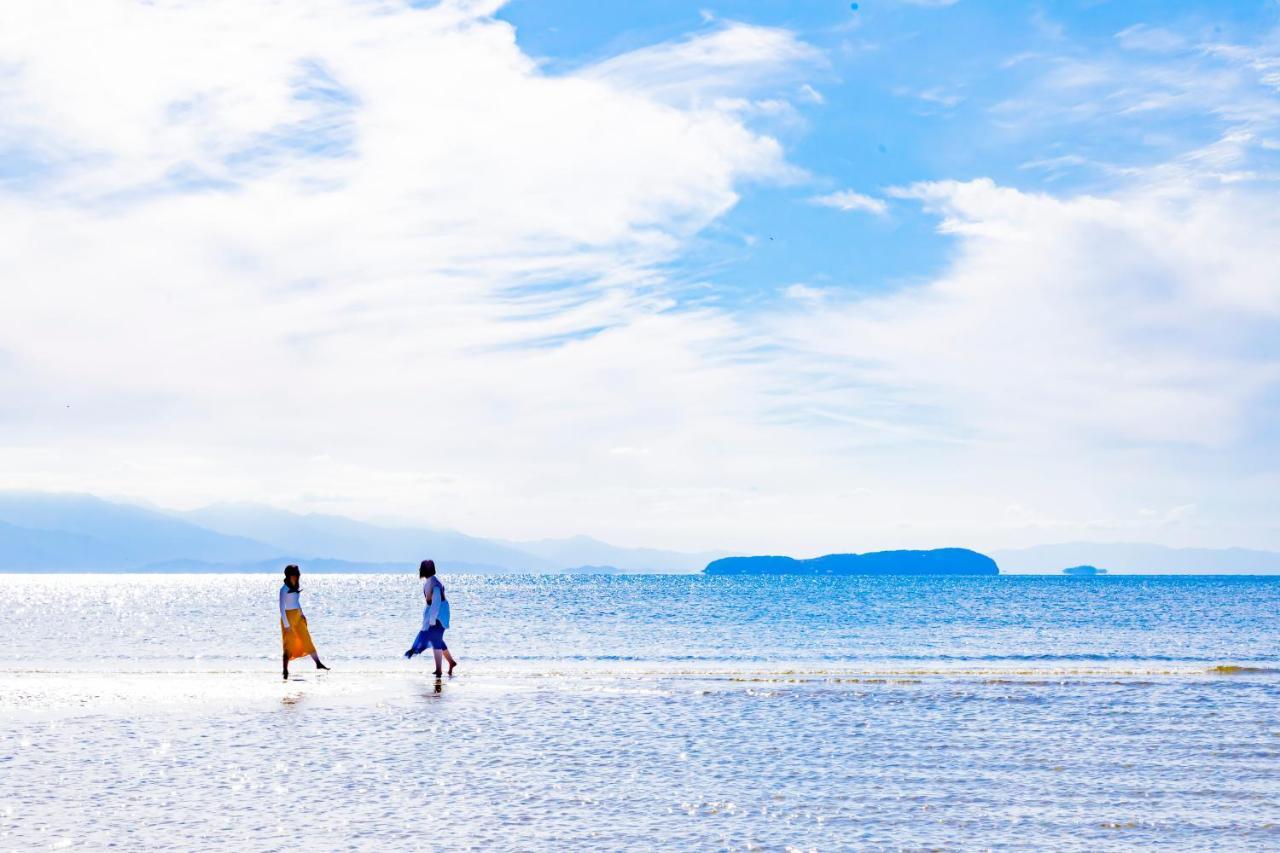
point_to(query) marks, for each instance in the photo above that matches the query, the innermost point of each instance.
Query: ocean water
(653, 713)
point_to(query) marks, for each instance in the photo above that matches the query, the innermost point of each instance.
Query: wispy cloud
(1068, 331)
(1220, 83)
(849, 200)
(1143, 37)
(701, 68)
(934, 96)
(387, 259)
(811, 94)
(1056, 164)
(380, 245)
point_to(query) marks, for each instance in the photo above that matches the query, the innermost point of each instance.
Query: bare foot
(451, 666)
(286, 675)
(438, 673)
(320, 665)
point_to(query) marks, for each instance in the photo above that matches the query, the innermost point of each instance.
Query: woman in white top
(293, 624)
(435, 618)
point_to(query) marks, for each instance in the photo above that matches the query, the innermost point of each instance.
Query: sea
(147, 712)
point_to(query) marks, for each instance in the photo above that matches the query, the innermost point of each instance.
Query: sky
(752, 275)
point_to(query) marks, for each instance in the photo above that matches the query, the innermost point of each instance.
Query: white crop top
(288, 601)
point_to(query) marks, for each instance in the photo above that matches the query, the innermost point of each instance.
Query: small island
(594, 570)
(1084, 571)
(940, 561)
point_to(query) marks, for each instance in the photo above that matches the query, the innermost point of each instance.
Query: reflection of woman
(293, 625)
(435, 618)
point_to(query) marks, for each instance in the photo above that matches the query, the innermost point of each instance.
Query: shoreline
(60, 693)
(274, 574)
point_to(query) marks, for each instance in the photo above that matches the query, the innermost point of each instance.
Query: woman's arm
(284, 620)
(433, 605)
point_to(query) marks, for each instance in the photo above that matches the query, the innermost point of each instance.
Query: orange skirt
(297, 640)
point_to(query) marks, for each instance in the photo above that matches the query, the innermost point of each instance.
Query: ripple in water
(680, 713)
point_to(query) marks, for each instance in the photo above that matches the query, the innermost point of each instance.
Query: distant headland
(940, 561)
(1084, 571)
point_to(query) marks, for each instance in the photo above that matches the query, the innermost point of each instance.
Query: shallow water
(652, 713)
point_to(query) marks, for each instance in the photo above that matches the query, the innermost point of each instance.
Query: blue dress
(432, 637)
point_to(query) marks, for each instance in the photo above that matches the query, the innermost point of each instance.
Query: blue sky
(914, 92)
(761, 276)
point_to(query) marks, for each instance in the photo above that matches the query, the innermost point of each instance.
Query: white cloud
(1143, 37)
(1062, 162)
(1134, 317)
(1216, 85)
(1077, 353)
(849, 200)
(810, 94)
(804, 293)
(383, 263)
(379, 254)
(935, 96)
(699, 69)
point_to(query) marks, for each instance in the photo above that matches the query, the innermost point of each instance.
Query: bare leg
(286, 666)
(315, 657)
(452, 662)
(438, 655)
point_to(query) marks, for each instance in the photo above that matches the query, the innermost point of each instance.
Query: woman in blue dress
(435, 618)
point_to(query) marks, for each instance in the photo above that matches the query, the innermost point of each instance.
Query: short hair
(427, 569)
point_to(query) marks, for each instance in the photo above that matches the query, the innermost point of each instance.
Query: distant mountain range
(42, 532)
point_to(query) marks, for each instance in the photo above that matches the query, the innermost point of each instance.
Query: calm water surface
(644, 712)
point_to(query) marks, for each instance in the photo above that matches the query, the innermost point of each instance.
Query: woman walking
(293, 624)
(435, 618)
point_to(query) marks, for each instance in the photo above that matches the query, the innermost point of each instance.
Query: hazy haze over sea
(710, 713)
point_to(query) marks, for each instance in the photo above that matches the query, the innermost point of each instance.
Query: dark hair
(427, 569)
(292, 571)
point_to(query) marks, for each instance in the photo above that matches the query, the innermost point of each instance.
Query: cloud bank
(356, 250)
(370, 258)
